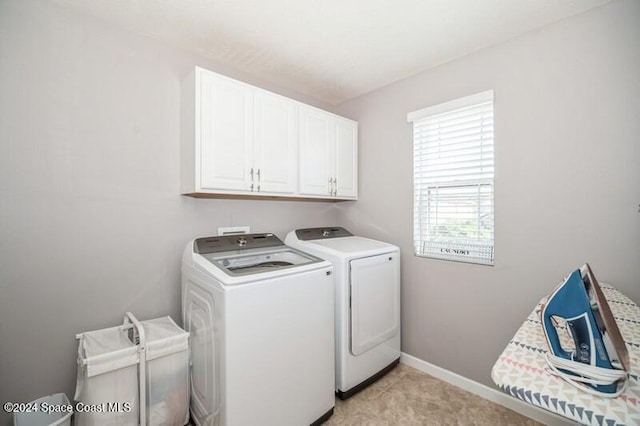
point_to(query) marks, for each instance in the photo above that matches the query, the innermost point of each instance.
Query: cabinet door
(226, 137)
(315, 142)
(346, 158)
(275, 159)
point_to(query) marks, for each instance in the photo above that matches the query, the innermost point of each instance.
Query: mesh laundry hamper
(134, 374)
(107, 384)
(167, 372)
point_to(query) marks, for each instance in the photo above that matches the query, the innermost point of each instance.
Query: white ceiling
(332, 50)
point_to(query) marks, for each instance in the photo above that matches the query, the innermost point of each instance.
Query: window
(453, 179)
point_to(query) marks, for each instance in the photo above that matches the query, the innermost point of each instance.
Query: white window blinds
(453, 179)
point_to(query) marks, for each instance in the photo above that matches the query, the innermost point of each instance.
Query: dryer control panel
(322, 233)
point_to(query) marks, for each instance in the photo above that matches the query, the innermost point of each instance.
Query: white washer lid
(354, 245)
(256, 261)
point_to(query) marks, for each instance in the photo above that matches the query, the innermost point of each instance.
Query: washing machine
(261, 319)
(367, 278)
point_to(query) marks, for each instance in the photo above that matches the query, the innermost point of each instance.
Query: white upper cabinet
(315, 152)
(275, 143)
(346, 158)
(239, 140)
(226, 133)
(328, 155)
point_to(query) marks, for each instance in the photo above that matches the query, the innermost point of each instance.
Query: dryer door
(375, 300)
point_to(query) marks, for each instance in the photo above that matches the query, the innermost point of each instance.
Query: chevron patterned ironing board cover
(521, 371)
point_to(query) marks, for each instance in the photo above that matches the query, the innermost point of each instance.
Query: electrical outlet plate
(233, 230)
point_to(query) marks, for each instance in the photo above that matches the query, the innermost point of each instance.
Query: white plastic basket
(42, 418)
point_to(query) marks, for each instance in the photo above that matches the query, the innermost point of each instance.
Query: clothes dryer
(261, 319)
(367, 278)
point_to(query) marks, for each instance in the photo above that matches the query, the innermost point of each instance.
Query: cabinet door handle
(335, 187)
(258, 180)
(251, 174)
(330, 186)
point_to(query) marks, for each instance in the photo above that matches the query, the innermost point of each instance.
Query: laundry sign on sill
(473, 253)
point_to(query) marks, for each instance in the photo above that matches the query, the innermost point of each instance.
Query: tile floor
(406, 396)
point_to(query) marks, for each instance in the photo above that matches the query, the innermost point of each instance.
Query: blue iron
(598, 360)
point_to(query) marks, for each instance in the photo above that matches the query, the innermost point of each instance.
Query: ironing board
(521, 371)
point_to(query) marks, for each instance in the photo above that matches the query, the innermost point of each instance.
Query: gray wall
(91, 220)
(91, 224)
(567, 107)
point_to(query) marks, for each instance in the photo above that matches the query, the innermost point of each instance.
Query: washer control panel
(235, 242)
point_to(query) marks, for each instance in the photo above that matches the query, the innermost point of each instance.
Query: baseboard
(493, 395)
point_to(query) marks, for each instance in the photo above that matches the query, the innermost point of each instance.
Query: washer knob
(325, 233)
(242, 241)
